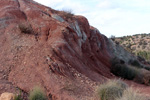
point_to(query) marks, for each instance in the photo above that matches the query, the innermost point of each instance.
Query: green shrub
(144, 54)
(111, 90)
(119, 68)
(124, 71)
(135, 63)
(147, 67)
(37, 94)
(18, 97)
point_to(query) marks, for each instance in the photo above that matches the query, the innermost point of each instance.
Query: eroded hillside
(53, 49)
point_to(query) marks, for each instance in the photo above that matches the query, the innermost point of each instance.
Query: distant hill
(138, 44)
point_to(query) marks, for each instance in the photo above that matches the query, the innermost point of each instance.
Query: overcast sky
(111, 17)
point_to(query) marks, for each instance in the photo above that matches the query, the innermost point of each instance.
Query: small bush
(129, 94)
(67, 14)
(112, 37)
(111, 90)
(147, 67)
(120, 68)
(143, 77)
(120, 83)
(135, 63)
(25, 28)
(144, 54)
(37, 94)
(140, 58)
(124, 71)
(18, 97)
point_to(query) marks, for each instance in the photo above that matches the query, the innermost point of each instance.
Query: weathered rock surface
(7, 96)
(41, 46)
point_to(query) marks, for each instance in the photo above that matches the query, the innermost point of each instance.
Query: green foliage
(111, 90)
(136, 72)
(137, 44)
(118, 90)
(37, 94)
(135, 63)
(18, 97)
(144, 54)
(124, 71)
(110, 93)
(119, 68)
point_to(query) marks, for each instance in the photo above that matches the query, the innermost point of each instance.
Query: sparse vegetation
(137, 44)
(37, 94)
(111, 90)
(25, 28)
(112, 37)
(135, 71)
(144, 54)
(18, 97)
(143, 77)
(68, 14)
(118, 90)
(135, 63)
(130, 94)
(119, 68)
(124, 71)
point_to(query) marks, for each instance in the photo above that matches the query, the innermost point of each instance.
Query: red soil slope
(41, 46)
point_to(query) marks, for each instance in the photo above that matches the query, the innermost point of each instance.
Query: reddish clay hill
(56, 50)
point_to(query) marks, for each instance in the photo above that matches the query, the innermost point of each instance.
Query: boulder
(7, 96)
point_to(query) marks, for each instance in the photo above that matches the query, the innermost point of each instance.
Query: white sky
(111, 17)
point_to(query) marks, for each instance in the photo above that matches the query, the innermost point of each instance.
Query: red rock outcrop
(41, 46)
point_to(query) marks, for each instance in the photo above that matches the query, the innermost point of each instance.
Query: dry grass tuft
(118, 90)
(26, 28)
(111, 90)
(130, 94)
(37, 94)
